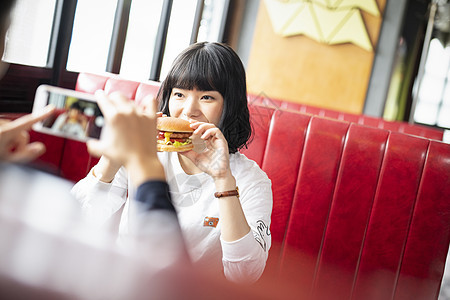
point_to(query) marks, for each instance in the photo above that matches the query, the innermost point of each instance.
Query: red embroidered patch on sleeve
(210, 222)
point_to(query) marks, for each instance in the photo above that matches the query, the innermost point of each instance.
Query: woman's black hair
(213, 67)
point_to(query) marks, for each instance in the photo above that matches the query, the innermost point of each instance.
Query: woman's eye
(179, 95)
(206, 97)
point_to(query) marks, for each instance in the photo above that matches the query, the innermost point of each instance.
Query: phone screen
(75, 116)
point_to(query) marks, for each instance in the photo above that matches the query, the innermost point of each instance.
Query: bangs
(199, 71)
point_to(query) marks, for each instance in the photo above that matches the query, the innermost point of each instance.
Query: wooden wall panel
(299, 69)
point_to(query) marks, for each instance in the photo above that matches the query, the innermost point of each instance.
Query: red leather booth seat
(138, 90)
(404, 127)
(359, 212)
(89, 83)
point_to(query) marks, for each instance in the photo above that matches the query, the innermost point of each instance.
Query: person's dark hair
(213, 67)
(5, 8)
(76, 105)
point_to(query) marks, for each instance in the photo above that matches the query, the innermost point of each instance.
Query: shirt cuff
(91, 176)
(116, 195)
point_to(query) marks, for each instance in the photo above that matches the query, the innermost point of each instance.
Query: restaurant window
(193, 21)
(28, 38)
(179, 33)
(433, 104)
(118, 36)
(91, 35)
(213, 20)
(140, 39)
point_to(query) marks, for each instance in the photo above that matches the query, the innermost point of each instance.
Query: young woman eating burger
(223, 200)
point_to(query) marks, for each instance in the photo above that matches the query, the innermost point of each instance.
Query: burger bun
(172, 148)
(173, 124)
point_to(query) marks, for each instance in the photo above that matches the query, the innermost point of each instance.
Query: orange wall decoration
(302, 68)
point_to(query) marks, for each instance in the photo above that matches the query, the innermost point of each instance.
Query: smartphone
(77, 115)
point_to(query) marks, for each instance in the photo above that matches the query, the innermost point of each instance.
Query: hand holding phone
(129, 138)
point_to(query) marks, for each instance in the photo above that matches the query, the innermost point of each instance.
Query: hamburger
(173, 135)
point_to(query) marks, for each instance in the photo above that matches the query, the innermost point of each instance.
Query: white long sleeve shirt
(198, 213)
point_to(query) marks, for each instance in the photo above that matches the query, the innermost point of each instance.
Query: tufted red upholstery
(414, 129)
(50, 161)
(345, 229)
(260, 118)
(366, 217)
(89, 83)
(359, 212)
(146, 89)
(125, 87)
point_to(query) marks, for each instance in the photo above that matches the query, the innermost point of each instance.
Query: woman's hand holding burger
(214, 158)
(128, 140)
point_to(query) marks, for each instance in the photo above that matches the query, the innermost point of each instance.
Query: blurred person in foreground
(47, 252)
(126, 142)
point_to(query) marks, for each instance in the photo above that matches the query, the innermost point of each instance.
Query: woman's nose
(190, 108)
